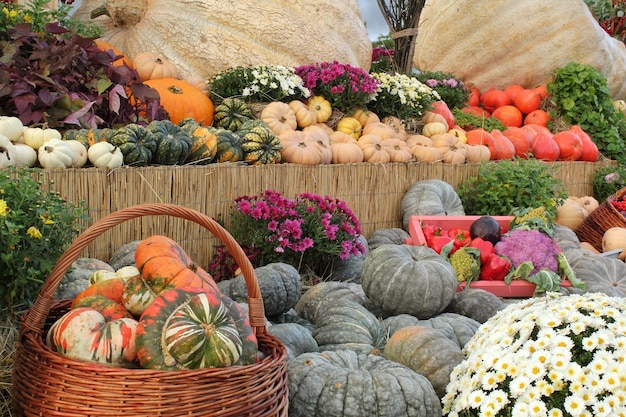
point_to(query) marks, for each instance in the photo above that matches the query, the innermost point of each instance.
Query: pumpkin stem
(175, 90)
(123, 13)
(208, 328)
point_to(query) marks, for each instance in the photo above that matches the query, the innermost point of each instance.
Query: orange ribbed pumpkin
(183, 100)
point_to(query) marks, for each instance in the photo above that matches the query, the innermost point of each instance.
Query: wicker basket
(600, 220)
(46, 383)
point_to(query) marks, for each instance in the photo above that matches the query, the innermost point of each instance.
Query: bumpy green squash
(261, 146)
(228, 146)
(88, 136)
(137, 144)
(231, 113)
(204, 142)
(192, 328)
(173, 143)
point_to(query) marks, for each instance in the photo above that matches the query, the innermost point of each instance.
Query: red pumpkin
(494, 98)
(570, 145)
(504, 148)
(474, 96)
(476, 111)
(538, 117)
(111, 288)
(544, 147)
(520, 139)
(590, 149)
(528, 100)
(513, 89)
(509, 115)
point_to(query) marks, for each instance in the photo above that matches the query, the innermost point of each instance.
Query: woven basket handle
(36, 316)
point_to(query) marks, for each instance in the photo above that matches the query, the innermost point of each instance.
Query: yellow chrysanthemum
(46, 220)
(34, 232)
(4, 208)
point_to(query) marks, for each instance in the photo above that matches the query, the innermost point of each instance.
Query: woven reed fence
(373, 191)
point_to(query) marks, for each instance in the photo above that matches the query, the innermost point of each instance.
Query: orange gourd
(106, 46)
(304, 115)
(528, 100)
(373, 150)
(150, 66)
(279, 117)
(452, 150)
(298, 148)
(345, 148)
(503, 148)
(427, 154)
(398, 150)
(383, 130)
(509, 115)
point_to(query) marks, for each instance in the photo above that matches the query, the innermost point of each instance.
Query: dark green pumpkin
(173, 143)
(172, 332)
(231, 113)
(261, 146)
(228, 146)
(136, 143)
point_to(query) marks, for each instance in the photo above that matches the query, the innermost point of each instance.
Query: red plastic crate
(517, 289)
(446, 222)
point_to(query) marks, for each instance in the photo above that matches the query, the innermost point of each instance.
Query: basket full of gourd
(163, 340)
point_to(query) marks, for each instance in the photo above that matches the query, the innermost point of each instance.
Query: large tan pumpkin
(205, 37)
(501, 42)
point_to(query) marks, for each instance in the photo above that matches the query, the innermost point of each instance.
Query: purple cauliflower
(521, 246)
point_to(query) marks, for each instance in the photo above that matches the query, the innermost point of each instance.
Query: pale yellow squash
(205, 37)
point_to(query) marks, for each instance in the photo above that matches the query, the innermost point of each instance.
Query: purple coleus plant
(64, 80)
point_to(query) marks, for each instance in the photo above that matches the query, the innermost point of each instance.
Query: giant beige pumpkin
(501, 42)
(205, 37)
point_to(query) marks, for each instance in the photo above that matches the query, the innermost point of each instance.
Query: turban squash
(515, 42)
(206, 37)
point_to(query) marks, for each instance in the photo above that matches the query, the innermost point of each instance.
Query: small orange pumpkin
(298, 148)
(373, 150)
(345, 148)
(383, 130)
(398, 150)
(304, 115)
(427, 154)
(452, 150)
(182, 100)
(279, 117)
(321, 136)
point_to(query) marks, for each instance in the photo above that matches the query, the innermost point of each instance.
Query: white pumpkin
(35, 137)
(7, 152)
(205, 37)
(55, 153)
(12, 128)
(497, 43)
(79, 158)
(105, 155)
(25, 155)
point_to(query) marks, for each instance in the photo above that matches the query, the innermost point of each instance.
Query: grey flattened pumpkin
(475, 303)
(347, 384)
(280, 285)
(407, 279)
(349, 326)
(296, 338)
(601, 274)
(391, 236)
(314, 303)
(427, 351)
(430, 198)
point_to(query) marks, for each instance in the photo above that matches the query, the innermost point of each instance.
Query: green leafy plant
(308, 232)
(451, 89)
(68, 81)
(611, 16)
(472, 121)
(38, 15)
(501, 188)
(36, 227)
(581, 96)
(607, 181)
(262, 83)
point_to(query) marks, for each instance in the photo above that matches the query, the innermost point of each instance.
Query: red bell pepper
(495, 269)
(484, 246)
(461, 237)
(438, 242)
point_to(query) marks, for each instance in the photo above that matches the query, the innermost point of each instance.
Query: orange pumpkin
(509, 115)
(427, 154)
(504, 148)
(477, 153)
(398, 150)
(279, 117)
(321, 136)
(365, 116)
(182, 100)
(452, 150)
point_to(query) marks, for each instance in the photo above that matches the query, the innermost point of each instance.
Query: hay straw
(8, 341)
(373, 191)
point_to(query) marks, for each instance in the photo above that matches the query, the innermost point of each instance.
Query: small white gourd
(79, 159)
(35, 137)
(105, 155)
(55, 153)
(7, 152)
(12, 128)
(25, 155)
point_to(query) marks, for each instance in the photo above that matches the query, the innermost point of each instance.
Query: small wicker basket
(600, 220)
(46, 383)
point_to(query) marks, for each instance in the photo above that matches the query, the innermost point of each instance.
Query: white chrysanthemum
(574, 405)
(519, 385)
(602, 409)
(537, 408)
(555, 412)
